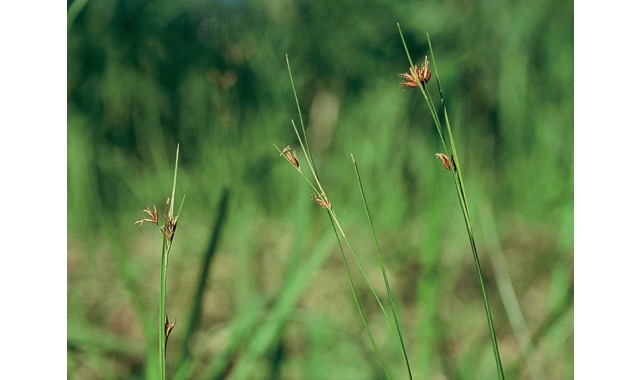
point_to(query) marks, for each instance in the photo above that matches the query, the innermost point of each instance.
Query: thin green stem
(459, 184)
(337, 227)
(319, 191)
(321, 194)
(308, 156)
(175, 176)
(334, 219)
(425, 93)
(162, 338)
(530, 354)
(355, 296)
(382, 268)
(462, 196)
(170, 224)
(304, 134)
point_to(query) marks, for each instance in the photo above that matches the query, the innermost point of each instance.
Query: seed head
(422, 73)
(291, 157)
(170, 222)
(322, 201)
(153, 216)
(445, 160)
(168, 326)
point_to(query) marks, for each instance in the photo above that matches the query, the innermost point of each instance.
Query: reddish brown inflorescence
(422, 73)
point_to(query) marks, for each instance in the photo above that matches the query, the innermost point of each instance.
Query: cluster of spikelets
(417, 77)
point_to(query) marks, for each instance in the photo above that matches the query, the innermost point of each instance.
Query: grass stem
(382, 269)
(456, 172)
(168, 231)
(322, 199)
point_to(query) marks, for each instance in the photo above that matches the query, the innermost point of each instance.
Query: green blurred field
(212, 76)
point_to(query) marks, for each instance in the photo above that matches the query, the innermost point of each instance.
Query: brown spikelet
(422, 73)
(168, 326)
(445, 160)
(153, 216)
(322, 201)
(170, 222)
(291, 157)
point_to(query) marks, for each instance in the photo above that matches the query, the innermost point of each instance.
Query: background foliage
(144, 76)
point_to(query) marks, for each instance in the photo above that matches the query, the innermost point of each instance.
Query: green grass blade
(382, 268)
(196, 304)
(509, 299)
(321, 194)
(262, 337)
(357, 300)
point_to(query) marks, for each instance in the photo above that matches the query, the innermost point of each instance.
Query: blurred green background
(144, 76)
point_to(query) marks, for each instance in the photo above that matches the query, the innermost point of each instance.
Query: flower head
(417, 75)
(448, 163)
(168, 326)
(291, 157)
(153, 216)
(170, 222)
(322, 201)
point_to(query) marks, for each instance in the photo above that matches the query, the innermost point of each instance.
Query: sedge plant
(417, 77)
(167, 231)
(320, 197)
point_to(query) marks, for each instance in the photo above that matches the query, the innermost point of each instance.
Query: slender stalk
(162, 338)
(168, 230)
(456, 172)
(304, 134)
(382, 269)
(322, 199)
(530, 354)
(357, 301)
(320, 194)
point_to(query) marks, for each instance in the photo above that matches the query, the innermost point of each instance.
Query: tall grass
(321, 198)
(506, 69)
(418, 77)
(167, 231)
